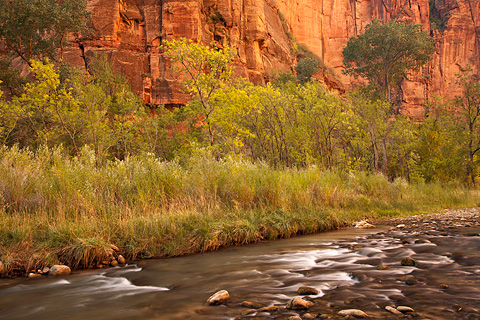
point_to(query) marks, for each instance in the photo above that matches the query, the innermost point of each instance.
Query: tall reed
(60, 209)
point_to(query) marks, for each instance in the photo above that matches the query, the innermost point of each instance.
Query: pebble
(218, 297)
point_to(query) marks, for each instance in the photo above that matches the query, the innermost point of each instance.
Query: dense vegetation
(85, 164)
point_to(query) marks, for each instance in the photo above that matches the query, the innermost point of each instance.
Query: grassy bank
(60, 210)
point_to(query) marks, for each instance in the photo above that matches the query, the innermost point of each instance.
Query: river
(341, 265)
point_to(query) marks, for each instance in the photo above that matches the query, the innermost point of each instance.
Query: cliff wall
(130, 33)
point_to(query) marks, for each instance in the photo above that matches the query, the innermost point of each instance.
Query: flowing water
(341, 265)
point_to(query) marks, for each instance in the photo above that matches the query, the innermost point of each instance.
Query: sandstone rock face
(130, 33)
(325, 27)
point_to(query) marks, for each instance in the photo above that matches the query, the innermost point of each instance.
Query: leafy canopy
(207, 72)
(35, 29)
(385, 52)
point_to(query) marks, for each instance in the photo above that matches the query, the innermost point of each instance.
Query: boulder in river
(305, 291)
(59, 269)
(218, 297)
(299, 304)
(352, 313)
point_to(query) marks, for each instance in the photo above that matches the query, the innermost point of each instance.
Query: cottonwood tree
(208, 71)
(468, 119)
(386, 51)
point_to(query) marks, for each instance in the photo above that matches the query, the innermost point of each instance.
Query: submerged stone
(409, 262)
(252, 305)
(305, 291)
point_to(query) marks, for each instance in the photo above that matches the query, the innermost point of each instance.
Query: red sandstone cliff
(130, 33)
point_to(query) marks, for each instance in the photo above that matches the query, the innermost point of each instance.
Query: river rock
(410, 280)
(59, 269)
(353, 313)
(114, 247)
(393, 310)
(114, 263)
(305, 291)
(252, 305)
(364, 225)
(382, 267)
(121, 259)
(298, 304)
(405, 309)
(250, 311)
(294, 318)
(268, 309)
(308, 316)
(33, 275)
(218, 297)
(409, 262)
(45, 270)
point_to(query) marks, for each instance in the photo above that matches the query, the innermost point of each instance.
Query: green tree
(208, 71)
(35, 29)
(468, 119)
(306, 68)
(385, 52)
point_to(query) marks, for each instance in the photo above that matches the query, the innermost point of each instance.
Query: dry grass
(56, 209)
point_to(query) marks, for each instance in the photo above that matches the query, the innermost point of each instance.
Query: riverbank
(422, 267)
(58, 210)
